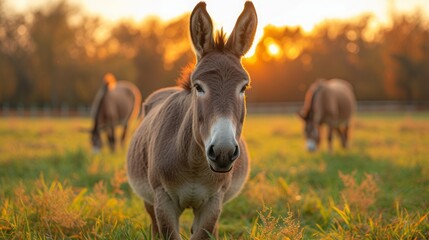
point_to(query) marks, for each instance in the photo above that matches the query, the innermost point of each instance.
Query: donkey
(330, 102)
(116, 103)
(188, 151)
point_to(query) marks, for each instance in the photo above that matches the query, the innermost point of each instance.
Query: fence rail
(253, 108)
(362, 106)
(46, 111)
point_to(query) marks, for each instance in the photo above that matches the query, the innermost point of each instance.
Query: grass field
(53, 187)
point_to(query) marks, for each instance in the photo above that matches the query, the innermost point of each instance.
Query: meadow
(53, 187)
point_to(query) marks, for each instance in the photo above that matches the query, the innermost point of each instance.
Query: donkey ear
(201, 28)
(242, 35)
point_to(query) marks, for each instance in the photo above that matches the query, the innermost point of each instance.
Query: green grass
(52, 186)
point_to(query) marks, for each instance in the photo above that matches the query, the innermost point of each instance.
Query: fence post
(46, 110)
(83, 111)
(64, 110)
(20, 110)
(5, 109)
(33, 110)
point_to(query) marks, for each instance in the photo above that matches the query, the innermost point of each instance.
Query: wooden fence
(362, 106)
(65, 110)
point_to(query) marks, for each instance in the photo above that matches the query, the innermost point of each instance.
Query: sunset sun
(273, 49)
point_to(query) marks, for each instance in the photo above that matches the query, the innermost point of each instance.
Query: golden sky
(305, 13)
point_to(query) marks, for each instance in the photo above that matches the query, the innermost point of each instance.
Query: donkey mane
(310, 112)
(98, 101)
(185, 77)
(307, 109)
(220, 40)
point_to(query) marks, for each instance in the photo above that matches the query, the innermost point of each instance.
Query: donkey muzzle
(222, 157)
(311, 145)
(222, 148)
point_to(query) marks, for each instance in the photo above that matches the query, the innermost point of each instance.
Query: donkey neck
(99, 108)
(186, 142)
(312, 102)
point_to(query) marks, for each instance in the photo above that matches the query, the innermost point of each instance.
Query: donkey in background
(116, 103)
(329, 102)
(188, 151)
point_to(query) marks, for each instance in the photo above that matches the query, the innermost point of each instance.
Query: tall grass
(53, 187)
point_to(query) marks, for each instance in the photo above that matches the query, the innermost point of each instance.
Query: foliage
(57, 54)
(269, 227)
(361, 196)
(406, 56)
(53, 187)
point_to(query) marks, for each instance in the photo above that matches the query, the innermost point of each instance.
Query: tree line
(57, 54)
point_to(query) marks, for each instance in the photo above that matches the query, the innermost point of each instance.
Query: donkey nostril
(235, 154)
(211, 153)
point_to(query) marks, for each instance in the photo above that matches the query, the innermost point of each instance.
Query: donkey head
(311, 129)
(312, 135)
(218, 85)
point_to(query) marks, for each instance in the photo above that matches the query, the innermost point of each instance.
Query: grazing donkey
(116, 103)
(187, 152)
(330, 102)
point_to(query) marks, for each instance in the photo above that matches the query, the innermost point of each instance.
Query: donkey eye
(198, 88)
(243, 89)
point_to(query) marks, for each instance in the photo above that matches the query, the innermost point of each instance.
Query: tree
(53, 38)
(15, 51)
(406, 56)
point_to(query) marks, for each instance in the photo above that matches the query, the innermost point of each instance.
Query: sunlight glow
(292, 52)
(273, 49)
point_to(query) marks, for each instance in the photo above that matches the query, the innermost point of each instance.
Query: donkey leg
(330, 130)
(345, 136)
(340, 134)
(151, 211)
(343, 133)
(124, 134)
(111, 138)
(206, 218)
(167, 215)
